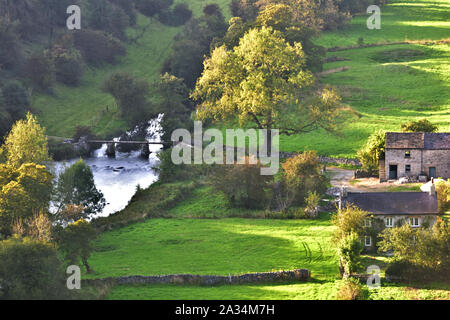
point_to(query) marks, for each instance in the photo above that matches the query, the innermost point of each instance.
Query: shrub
(419, 126)
(15, 99)
(372, 152)
(97, 47)
(176, 17)
(130, 94)
(68, 64)
(41, 71)
(31, 269)
(150, 8)
(61, 151)
(348, 220)
(168, 171)
(302, 174)
(106, 16)
(349, 249)
(312, 202)
(351, 289)
(443, 195)
(242, 184)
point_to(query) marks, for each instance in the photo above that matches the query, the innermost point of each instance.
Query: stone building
(414, 154)
(391, 209)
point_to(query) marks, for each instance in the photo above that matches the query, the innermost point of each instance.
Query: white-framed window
(389, 222)
(367, 222)
(414, 222)
(368, 241)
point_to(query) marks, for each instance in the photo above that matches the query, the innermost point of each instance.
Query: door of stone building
(393, 171)
(432, 172)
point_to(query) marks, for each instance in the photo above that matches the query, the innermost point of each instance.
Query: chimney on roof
(344, 192)
(432, 188)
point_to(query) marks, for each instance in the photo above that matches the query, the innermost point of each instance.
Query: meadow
(386, 85)
(215, 246)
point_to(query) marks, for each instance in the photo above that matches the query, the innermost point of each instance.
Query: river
(118, 177)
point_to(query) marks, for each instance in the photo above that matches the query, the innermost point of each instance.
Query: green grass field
(313, 290)
(385, 90)
(400, 20)
(215, 246)
(385, 94)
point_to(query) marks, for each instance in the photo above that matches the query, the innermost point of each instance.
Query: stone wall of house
(397, 157)
(419, 160)
(440, 159)
(190, 279)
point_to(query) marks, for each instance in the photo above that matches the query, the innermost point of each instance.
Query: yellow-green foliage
(26, 143)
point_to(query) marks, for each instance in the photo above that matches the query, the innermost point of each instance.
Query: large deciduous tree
(23, 191)
(76, 242)
(26, 143)
(263, 81)
(76, 186)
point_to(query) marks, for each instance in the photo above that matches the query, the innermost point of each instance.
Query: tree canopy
(263, 82)
(26, 143)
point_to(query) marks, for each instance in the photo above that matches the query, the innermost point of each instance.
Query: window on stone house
(414, 222)
(389, 222)
(408, 154)
(368, 241)
(408, 168)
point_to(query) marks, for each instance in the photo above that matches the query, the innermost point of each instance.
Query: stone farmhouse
(416, 155)
(390, 209)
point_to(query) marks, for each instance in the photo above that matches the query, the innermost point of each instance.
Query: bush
(15, 99)
(242, 184)
(130, 94)
(68, 64)
(150, 8)
(372, 152)
(31, 269)
(351, 289)
(61, 151)
(176, 17)
(97, 47)
(168, 171)
(419, 126)
(41, 71)
(106, 16)
(302, 174)
(349, 249)
(443, 195)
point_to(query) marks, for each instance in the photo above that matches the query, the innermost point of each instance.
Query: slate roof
(394, 202)
(418, 140)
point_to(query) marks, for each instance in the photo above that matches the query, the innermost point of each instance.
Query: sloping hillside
(86, 104)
